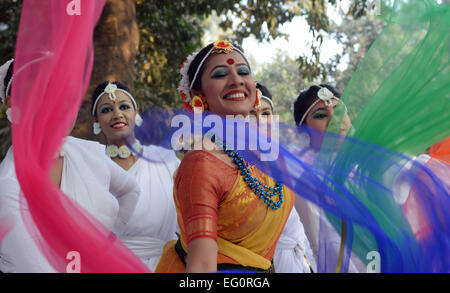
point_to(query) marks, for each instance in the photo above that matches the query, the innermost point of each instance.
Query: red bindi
(230, 61)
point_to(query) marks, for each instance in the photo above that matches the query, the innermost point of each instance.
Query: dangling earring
(198, 104)
(138, 119)
(97, 128)
(304, 139)
(9, 114)
(258, 99)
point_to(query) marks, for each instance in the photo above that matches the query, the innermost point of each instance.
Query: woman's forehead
(321, 104)
(265, 104)
(222, 59)
(121, 97)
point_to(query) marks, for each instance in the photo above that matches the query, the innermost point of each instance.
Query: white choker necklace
(123, 151)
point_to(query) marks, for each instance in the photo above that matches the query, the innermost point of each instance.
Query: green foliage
(281, 76)
(355, 36)
(170, 32)
(167, 34)
(286, 80)
(9, 24)
(172, 29)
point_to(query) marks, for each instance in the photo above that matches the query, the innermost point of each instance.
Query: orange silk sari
(214, 201)
(441, 150)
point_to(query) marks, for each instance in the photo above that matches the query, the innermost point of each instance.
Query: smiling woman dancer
(224, 225)
(109, 196)
(153, 222)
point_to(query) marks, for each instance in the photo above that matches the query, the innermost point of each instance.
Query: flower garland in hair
(3, 71)
(222, 47)
(184, 87)
(259, 96)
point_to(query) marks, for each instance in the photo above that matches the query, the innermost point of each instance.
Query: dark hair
(196, 62)
(8, 77)
(265, 91)
(101, 87)
(307, 98)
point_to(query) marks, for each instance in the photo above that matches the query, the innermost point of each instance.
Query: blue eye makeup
(320, 115)
(108, 108)
(219, 73)
(243, 70)
(124, 106)
(105, 109)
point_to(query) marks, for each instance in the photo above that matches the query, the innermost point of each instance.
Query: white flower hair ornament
(185, 87)
(111, 90)
(324, 95)
(3, 71)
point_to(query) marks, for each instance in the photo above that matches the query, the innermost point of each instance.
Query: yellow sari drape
(247, 228)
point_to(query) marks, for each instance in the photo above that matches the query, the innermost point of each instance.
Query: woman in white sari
(83, 173)
(154, 222)
(110, 196)
(314, 108)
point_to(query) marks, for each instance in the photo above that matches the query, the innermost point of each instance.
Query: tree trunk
(116, 40)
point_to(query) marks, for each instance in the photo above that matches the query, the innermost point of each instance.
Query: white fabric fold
(102, 188)
(144, 246)
(154, 221)
(293, 253)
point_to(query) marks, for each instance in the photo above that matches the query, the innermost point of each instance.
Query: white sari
(92, 180)
(154, 221)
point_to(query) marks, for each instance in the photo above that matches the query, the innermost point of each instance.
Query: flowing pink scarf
(54, 57)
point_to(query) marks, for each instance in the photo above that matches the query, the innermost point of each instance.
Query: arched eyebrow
(217, 66)
(323, 109)
(226, 66)
(110, 103)
(320, 109)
